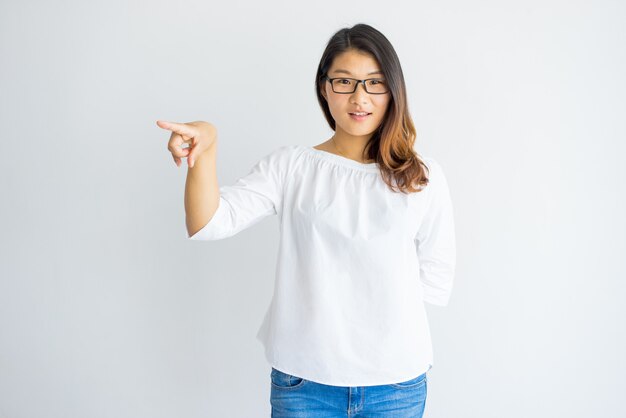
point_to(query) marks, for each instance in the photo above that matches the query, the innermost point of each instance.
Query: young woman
(366, 236)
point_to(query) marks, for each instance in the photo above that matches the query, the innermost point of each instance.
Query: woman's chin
(360, 132)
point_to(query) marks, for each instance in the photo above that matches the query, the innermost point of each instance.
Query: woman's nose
(360, 95)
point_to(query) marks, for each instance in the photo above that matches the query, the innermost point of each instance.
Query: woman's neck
(350, 146)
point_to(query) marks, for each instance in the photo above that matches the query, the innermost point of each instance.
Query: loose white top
(355, 263)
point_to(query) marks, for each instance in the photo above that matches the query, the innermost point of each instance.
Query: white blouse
(355, 263)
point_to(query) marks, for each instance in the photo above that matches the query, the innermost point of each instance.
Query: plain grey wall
(106, 310)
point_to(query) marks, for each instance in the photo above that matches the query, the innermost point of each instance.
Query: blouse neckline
(341, 160)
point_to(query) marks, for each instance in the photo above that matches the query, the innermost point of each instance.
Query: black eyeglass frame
(356, 85)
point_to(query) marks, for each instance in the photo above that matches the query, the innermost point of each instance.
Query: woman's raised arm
(201, 189)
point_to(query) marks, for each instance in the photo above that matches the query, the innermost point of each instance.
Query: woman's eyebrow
(349, 73)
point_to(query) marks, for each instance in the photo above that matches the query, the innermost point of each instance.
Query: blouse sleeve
(435, 240)
(249, 200)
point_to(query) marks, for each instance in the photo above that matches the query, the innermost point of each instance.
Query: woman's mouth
(359, 116)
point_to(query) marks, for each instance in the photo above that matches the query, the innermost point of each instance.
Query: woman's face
(359, 65)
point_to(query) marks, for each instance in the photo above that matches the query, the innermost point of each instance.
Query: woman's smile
(359, 117)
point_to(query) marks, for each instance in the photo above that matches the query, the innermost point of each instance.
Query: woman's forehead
(355, 63)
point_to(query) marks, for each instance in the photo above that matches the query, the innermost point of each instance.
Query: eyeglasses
(349, 85)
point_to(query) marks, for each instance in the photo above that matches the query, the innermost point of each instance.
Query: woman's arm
(202, 193)
(436, 240)
(251, 198)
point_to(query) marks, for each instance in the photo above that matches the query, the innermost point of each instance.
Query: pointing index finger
(179, 128)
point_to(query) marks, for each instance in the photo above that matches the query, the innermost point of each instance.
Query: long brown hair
(391, 145)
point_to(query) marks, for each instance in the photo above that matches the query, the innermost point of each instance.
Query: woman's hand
(199, 135)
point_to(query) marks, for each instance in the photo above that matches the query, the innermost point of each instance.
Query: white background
(106, 310)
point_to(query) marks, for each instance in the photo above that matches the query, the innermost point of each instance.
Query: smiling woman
(365, 240)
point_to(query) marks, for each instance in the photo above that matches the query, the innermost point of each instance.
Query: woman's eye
(344, 81)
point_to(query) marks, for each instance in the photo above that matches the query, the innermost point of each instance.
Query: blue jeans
(295, 397)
